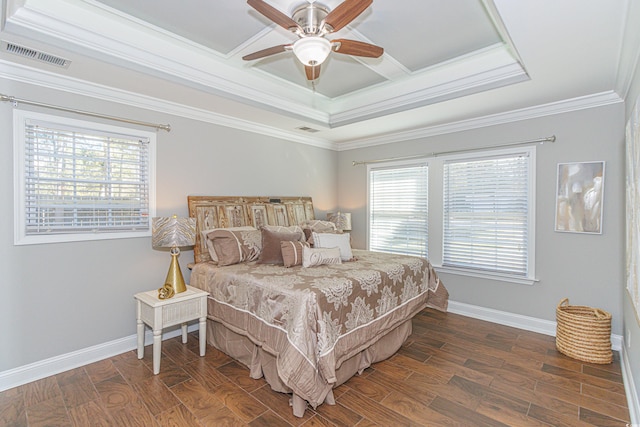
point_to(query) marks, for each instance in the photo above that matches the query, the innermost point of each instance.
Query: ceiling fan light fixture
(312, 50)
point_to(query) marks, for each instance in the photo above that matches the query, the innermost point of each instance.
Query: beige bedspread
(313, 319)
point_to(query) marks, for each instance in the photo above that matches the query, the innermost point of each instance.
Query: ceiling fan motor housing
(311, 22)
(310, 16)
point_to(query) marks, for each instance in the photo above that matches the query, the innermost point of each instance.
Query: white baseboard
(548, 327)
(519, 321)
(45, 368)
(630, 389)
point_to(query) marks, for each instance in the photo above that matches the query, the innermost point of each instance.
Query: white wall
(588, 269)
(60, 298)
(631, 320)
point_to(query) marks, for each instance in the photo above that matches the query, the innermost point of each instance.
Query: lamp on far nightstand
(342, 220)
(173, 232)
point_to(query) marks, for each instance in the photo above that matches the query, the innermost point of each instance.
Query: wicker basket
(583, 333)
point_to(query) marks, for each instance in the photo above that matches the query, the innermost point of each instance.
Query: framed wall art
(579, 197)
(632, 139)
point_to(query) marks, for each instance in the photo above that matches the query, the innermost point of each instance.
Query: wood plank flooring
(453, 371)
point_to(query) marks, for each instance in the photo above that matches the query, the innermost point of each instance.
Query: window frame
(436, 216)
(396, 165)
(20, 118)
(529, 278)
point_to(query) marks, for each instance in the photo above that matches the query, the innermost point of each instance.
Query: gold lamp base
(174, 276)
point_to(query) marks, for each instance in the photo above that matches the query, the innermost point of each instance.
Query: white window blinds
(80, 180)
(398, 209)
(486, 214)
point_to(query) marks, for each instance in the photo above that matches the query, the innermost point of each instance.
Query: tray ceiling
(444, 61)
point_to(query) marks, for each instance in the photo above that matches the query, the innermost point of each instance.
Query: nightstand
(162, 313)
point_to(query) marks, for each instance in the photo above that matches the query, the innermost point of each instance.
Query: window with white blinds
(398, 208)
(79, 180)
(488, 213)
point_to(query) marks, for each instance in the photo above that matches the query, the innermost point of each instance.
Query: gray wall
(588, 269)
(59, 298)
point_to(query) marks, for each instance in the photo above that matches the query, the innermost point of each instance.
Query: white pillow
(212, 252)
(312, 257)
(329, 240)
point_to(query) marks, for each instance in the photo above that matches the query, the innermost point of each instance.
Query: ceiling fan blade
(312, 71)
(266, 52)
(345, 12)
(274, 14)
(357, 48)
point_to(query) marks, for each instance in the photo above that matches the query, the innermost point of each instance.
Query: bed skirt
(263, 364)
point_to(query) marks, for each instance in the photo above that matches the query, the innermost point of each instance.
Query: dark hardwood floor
(453, 371)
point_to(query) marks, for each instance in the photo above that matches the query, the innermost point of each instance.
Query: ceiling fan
(311, 22)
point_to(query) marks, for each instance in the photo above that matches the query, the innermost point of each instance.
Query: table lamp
(173, 232)
(342, 220)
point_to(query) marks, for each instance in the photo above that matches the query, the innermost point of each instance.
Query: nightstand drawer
(181, 312)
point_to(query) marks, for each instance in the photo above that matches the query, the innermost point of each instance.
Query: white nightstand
(162, 313)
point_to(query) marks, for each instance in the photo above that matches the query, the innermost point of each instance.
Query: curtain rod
(551, 138)
(15, 102)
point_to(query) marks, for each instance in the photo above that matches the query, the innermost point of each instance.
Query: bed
(306, 330)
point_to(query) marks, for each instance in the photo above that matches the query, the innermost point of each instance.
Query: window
(77, 180)
(398, 208)
(482, 212)
(487, 210)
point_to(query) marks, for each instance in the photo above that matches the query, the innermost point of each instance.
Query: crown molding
(474, 72)
(469, 85)
(564, 106)
(156, 52)
(49, 80)
(629, 60)
(104, 34)
(45, 79)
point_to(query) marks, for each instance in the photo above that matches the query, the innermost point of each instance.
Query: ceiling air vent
(35, 54)
(308, 129)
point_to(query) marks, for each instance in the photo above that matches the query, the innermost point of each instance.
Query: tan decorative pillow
(283, 229)
(292, 252)
(312, 257)
(233, 247)
(271, 250)
(318, 225)
(212, 251)
(329, 240)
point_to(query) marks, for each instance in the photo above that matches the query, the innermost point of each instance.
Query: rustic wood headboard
(223, 212)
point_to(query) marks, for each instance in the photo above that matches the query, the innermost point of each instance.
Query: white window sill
(39, 239)
(486, 275)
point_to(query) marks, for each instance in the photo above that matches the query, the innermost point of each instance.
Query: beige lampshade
(173, 232)
(342, 220)
(169, 232)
